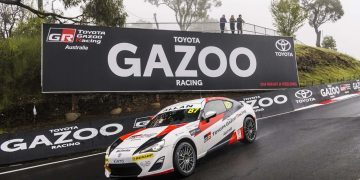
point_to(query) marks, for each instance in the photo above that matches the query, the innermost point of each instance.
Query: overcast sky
(346, 31)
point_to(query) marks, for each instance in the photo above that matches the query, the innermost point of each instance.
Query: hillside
(319, 65)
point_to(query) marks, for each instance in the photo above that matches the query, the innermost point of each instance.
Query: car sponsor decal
(207, 137)
(174, 108)
(143, 157)
(203, 125)
(141, 136)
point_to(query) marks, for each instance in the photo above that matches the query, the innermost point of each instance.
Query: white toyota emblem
(303, 94)
(283, 45)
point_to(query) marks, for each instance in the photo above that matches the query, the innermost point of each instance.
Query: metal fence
(329, 81)
(212, 27)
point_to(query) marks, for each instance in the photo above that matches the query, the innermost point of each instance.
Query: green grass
(319, 65)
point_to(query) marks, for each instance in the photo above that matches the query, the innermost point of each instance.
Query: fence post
(254, 30)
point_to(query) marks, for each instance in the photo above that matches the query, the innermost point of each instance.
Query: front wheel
(184, 159)
(249, 130)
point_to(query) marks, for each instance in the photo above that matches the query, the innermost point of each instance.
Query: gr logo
(65, 35)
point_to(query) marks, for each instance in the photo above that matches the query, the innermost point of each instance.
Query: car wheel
(184, 159)
(249, 130)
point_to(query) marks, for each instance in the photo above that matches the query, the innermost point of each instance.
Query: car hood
(139, 138)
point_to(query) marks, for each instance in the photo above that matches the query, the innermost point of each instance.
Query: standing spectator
(222, 23)
(232, 24)
(240, 21)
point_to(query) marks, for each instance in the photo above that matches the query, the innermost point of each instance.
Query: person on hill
(232, 24)
(239, 24)
(222, 23)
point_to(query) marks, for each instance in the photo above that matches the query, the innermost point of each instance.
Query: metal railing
(329, 81)
(212, 27)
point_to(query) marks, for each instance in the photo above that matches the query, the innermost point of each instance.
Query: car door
(208, 128)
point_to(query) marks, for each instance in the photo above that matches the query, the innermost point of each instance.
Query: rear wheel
(184, 159)
(249, 130)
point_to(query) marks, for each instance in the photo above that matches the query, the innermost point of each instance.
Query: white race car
(180, 134)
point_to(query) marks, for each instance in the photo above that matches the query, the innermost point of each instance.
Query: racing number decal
(193, 110)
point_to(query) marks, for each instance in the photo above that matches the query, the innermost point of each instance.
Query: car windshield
(175, 117)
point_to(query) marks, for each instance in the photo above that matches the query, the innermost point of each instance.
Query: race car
(176, 137)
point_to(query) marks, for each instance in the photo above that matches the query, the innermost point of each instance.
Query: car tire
(184, 159)
(250, 130)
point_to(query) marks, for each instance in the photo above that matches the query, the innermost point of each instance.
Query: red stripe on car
(170, 128)
(233, 138)
(203, 125)
(123, 137)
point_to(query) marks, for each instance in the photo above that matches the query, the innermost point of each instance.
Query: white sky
(345, 31)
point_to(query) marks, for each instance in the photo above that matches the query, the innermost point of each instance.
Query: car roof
(183, 105)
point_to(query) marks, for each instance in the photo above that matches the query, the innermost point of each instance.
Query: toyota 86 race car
(176, 137)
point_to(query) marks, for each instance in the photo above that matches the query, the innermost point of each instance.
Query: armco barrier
(85, 136)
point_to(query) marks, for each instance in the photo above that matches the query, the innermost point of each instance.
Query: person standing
(240, 21)
(222, 23)
(232, 24)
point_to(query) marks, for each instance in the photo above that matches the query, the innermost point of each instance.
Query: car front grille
(125, 170)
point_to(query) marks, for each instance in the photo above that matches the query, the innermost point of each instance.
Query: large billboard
(103, 59)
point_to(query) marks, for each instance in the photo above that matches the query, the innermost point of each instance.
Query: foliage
(322, 11)
(105, 12)
(9, 16)
(324, 65)
(100, 12)
(288, 16)
(188, 11)
(329, 43)
(20, 70)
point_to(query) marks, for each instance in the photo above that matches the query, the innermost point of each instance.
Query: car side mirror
(209, 115)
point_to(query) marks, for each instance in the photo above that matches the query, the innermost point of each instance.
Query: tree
(9, 16)
(288, 16)
(188, 11)
(105, 12)
(42, 13)
(322, 11)
(329, 43)
(100, 12)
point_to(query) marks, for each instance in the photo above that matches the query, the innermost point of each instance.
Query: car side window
(217, 106)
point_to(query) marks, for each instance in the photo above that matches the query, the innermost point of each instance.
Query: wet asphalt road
(318, 143)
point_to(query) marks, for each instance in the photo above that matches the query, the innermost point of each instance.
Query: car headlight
(107, 151)
(154, 148)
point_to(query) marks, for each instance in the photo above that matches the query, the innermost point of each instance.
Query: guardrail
(213, 27)
(328, 81)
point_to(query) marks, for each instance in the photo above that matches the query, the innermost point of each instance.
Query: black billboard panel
(103, 59)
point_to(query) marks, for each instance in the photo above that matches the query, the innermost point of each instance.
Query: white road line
(51, 163)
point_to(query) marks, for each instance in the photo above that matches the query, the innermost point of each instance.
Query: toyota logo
(283, 45)
(303, 94)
